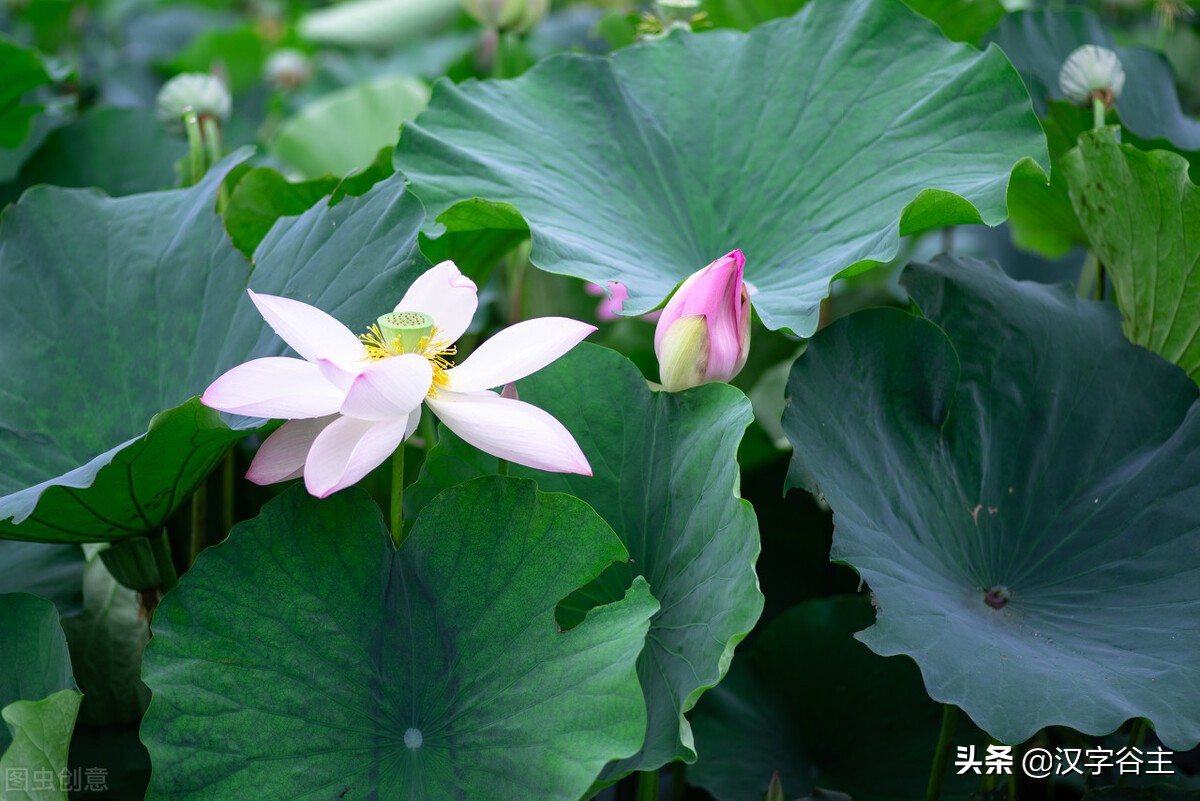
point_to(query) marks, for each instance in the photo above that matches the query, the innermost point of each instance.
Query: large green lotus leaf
(94, 355)
(119, 150)
(38, 699)
(1018, 484)
(432, 672)
(1038, 42)
(1142, 215)
(810, 701)
(21, 71)
(960, 20)
(828, 135)
(343, 130)
(101, 330)
(665, 478)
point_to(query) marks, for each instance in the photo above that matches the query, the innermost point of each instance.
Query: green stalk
(941, 757)
(647, 788)
(505, 63)
(1136, 735)
(161, 546)
(1098, 111)
(199, 502)
(517, 262)
(428, 430)
(678, 780)
(227, 485)
(191, 124)
(397, 505)
(212, 141)
(1087, 276)
(502, 468)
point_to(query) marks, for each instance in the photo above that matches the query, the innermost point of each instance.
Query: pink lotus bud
(703, 334)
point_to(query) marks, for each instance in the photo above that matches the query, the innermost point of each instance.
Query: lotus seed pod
(287, 69)
(499, 14)
(203, 93)
(1090, 72)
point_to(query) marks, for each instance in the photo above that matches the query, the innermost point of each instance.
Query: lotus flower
(1091, 72)
(351, 401)
(703, 334)
(203, 93)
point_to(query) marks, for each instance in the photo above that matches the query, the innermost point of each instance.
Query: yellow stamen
(434, 348)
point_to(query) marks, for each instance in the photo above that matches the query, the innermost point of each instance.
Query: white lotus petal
(446, 295)
(414, 420)
(510, 429)
(347, 450)
(277, 387)
(309, 331)
(516, 352)
(340, 377)
(281, 457)
(389, 389)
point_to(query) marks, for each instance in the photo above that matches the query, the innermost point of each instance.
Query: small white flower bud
(1092, 72)
(203, 93)
(288, 68)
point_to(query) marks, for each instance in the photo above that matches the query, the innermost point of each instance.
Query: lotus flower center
(413, 739)
(402, 332)
(997, 597)
(406, 330)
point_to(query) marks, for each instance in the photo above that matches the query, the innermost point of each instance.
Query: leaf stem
(428, 430)
(518, 261)
(1137, 733)
(647, 788)
(212, 142)
(227, 489)
(396, 507)
(191, 124)
(941, 757)
(1087, 275)
(199, 503)
(678, 780)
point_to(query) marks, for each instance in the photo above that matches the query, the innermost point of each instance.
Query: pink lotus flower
(703, 334)
(352, 400)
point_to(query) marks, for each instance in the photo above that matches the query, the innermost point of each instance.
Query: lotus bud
(535, 10)
(515, 16)
(288, 69)
(1092, 73)
(676, 12)
(703, 334)
(775, 789)
(202, 93)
